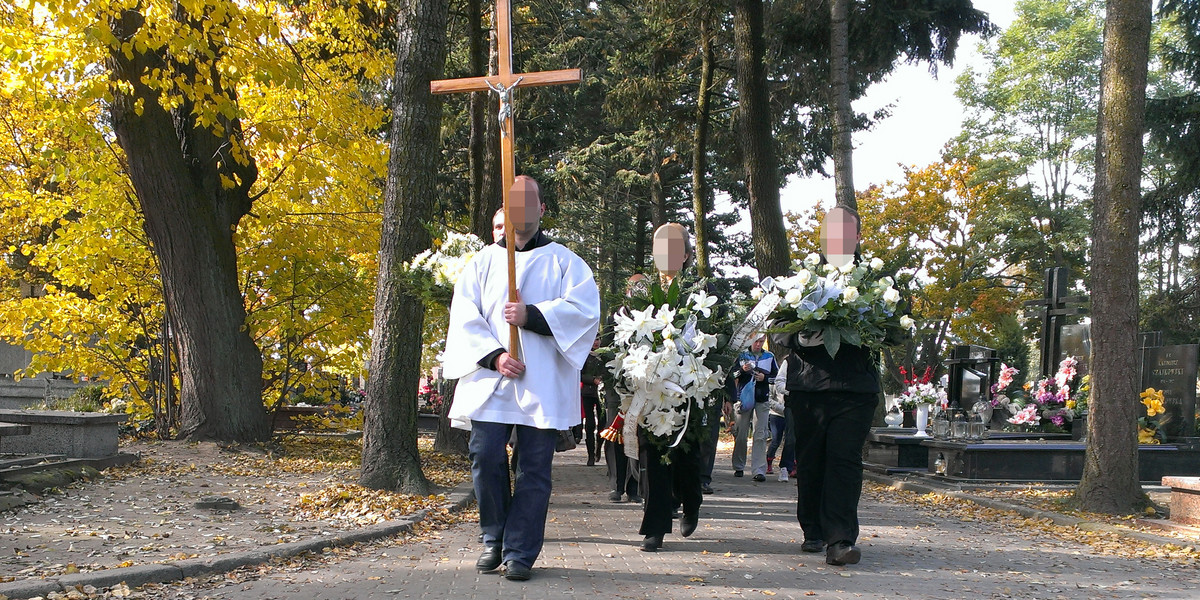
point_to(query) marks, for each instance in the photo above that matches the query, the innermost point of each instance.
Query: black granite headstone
(972, 373)
(1053, 312)
(1172, 370)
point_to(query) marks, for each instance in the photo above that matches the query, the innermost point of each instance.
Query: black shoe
(760, 477)
(614, 496)
(687, 524)
(591, 462)
(489, 560)
(842, 553)
(737, 473)
(652, 543)
(705, 488)
(636, 499)
(812, 546)
(515, 571)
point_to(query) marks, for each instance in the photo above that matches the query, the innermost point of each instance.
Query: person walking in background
(755, 367)
(589, 393)
(782, 433)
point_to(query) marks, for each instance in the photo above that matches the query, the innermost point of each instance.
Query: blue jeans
(516, 521)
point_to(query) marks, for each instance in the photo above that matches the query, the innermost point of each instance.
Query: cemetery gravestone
(1053, 312)
(1172, 370)
(1077, 342)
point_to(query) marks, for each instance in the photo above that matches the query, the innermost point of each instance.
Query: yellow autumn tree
(288, 102)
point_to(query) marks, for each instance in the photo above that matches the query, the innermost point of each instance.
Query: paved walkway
(747, 546)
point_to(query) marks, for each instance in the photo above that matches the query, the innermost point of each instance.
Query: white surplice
(546, 396)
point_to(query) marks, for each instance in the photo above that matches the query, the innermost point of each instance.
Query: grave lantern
(972, 373)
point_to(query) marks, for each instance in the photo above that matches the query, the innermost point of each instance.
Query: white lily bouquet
(856, 303)
(434, 271)
(667, 363)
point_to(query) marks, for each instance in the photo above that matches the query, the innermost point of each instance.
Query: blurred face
(498, 225)
(670, 248)
(839, 236)
(757, 345)
(526, 206)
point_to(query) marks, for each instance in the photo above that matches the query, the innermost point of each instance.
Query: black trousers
(831, 428)
(591, 417)
(668, 486)
(622, 470)
(708, 448)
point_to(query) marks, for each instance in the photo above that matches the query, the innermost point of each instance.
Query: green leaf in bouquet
(657, 296)
(673, 292)
(850, 336)
(833, 340)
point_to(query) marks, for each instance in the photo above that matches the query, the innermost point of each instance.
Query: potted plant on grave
(918, 392)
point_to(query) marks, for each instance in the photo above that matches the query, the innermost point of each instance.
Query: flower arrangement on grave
(1049, 403)
(919, 390)
(856, 303)
(669, 356)
(433, 272)
(1148, 426)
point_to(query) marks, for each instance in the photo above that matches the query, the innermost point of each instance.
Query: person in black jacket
(832, 401)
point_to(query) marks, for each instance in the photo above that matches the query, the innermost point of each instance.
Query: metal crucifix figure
(504, 83)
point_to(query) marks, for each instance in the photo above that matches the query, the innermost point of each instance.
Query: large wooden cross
(503, 83)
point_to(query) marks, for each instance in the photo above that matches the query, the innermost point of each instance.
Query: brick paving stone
(747, 546)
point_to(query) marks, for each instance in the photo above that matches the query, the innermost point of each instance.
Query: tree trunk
(1110, 471)
(700, 188)
(176, 167)
(449, 439)
(484, 141)
(754, 136)
(839, 98)
(658, 197)
(640, 245)
(390, 459)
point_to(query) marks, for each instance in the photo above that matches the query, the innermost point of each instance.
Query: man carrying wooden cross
(534, 394)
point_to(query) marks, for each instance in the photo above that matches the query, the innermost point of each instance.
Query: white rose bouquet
(667, 362)
(434, 271)
(856, 304)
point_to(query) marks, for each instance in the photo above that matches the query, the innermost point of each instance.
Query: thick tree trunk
(700, 187)
(758, 147)
(176, 168)
(1110, 471)
(390, 459)
(839, 99)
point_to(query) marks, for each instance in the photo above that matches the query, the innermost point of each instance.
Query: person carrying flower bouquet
(836, 311)
(662, 348)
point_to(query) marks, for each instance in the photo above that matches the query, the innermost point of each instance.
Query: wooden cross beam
(504, 83)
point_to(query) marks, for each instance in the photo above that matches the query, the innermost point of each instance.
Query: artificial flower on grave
(1053, 400)
(920, 390)
(669, 356)
(1149, 431)
(856, 303)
